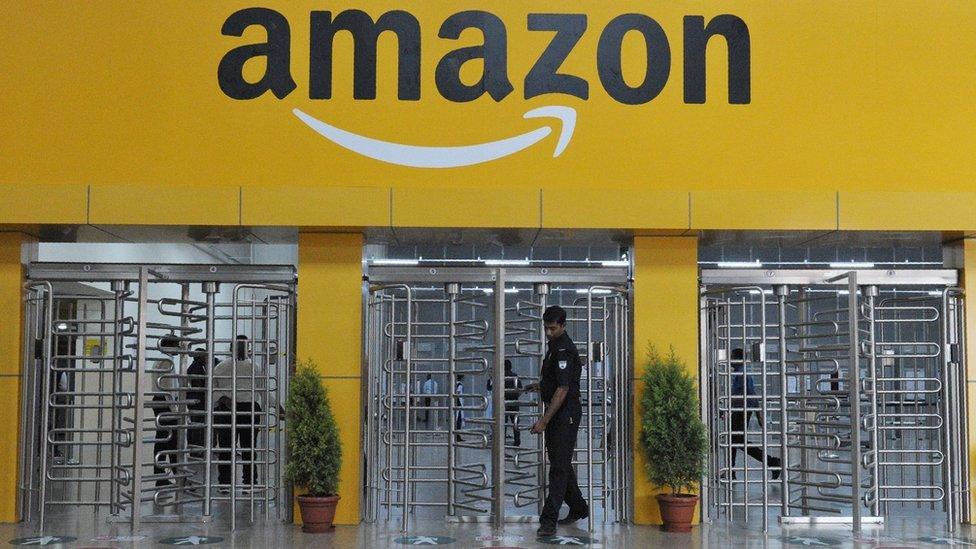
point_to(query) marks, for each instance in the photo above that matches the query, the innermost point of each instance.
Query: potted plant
(672, 437)
(314, 447)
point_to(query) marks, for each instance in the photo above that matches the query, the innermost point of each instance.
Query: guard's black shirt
(561, 368)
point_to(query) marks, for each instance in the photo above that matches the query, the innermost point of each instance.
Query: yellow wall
(330, 333)
(872, 95)
(317, 207)
(11, 307)
(49, 203)
(782, 209)
(854, 109)
(454, 207)
(906, 211)
(665, 315)
(352, 208)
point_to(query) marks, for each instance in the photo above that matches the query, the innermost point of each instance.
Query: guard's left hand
(539, 427)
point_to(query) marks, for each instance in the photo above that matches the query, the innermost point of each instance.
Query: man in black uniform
(559, 385)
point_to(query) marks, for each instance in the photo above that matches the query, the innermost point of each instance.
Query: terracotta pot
(317, 513)
(677, 510)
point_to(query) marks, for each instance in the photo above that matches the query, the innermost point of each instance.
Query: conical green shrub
(313, 436)
(672, 433)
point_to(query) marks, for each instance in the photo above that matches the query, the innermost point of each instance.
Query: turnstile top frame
(162, 272)
(390, 274)
(820, 277)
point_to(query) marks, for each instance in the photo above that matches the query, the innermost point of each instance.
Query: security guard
(559, 386)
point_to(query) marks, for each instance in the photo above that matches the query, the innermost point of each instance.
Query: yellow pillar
(665, 315)
(968, 284)
(11, 309)
(329, 332)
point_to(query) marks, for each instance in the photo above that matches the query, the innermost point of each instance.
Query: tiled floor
(906, 532)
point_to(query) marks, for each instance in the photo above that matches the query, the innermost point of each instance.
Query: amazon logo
(545, 78)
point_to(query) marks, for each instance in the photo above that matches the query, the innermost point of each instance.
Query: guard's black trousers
(560, 444)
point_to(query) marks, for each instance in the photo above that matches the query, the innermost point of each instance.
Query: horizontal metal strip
(391, 274)
(812, 277)
(103, 272)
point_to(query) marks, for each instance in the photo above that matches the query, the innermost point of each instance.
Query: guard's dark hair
(738, 355)
(555, 314)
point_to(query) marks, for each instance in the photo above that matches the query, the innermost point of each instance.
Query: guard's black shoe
(573, 517)
(546, 530)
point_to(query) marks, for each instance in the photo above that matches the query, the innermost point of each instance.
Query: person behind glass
(559, 387)
(248, 400)
(429, 388)
(458, 413)
(513, 388)
(742, 410)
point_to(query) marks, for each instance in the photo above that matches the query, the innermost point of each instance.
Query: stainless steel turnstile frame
(607, 300)
(130, 333)
(860, 345)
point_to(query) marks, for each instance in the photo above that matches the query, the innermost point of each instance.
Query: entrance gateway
(445, 446)
(859, 396)
(118, 370)
(869, 415)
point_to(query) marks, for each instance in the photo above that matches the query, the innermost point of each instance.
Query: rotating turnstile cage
(429, 445)
(872, 380)
(118, 373)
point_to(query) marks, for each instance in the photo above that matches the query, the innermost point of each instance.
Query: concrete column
(329, 332)
(665, 315)
(11, 336)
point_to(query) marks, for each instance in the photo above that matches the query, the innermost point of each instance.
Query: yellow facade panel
(43, 203)
(330, 299)
(164, 205)
(11, 301)
(9, 440)
(344, 396)
(305, 206)
(598, 208)
(835, 101)
(11, 308)
(330, 333)
(907, 211)
(466, 207)
(764, 210)
(665, 315)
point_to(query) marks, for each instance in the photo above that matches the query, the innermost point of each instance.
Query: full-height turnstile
(447, 432)
(855, 384)
(121, 403)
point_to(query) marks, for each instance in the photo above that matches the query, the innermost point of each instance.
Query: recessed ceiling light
(739, 264)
